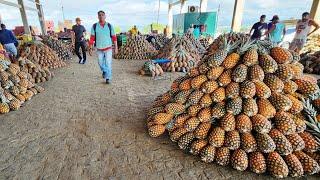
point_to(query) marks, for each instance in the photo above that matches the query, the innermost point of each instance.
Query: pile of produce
(136, 48)
(181, 52)
(312, 45)
(41, 54)
(196, 43)
(311, 62)
(160, 41)
(63, 51)
(16, 87)
(152, 69)
(242, 107)
(206, 41)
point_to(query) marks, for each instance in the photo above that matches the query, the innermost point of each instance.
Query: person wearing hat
(303, 29)
(276, 30)
(79, 40)
(259, 28)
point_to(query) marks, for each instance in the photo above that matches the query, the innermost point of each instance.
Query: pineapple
(232, 90)
(193, 72)
(265, 143)
(283, 145)
(300, 123)
(156, 130)
(261, 124)
(284, 123)
(205, 114)
(182, 96)
(297, 70)
(176, 134)
(248, 142)
(266, 109)
(239, 160)
(194, 110)
(174, 108)
(228, 122)
(218, 111)
(280, 102)
(267, 63)
(247, 89)
(4, 108)
(311, 145)
(250, 57)
(231, 60)
(202, 130)
(20, 98)
(234, 106)
(262, 90)
(281, 55)
(14, 104)
(297, 106)
(222, 156)
(290, 87)
(225, 78)
(214, 73)
(185, 141)
(216, 137)
(243, 123)
(284, 72)
(315, 156)
(256, 73)
(209, 86)
(192, 123)
(197, 146)
(296, 141)
(257, 163)
(195, 97)
(197, 81)
(249, 107)
(181, 119)
(232, 140)
(239, 74)
(205, 101)
(294, 165)
(207, 153)
(218, 95)
(306, 87)
(295, 56)
(277, 166)
(218, 57)
(185, 85)
(274, 83)
(310, 166)
(162, 118)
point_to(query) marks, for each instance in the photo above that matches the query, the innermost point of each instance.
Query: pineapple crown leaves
(3, 98)
(312, 123)
(244, 45)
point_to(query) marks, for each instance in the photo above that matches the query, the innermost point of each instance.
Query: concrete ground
(81, 128)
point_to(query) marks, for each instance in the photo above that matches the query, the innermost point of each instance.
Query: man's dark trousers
(81, 44)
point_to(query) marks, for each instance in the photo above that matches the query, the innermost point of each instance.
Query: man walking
(8, 40)
(102, 35)
(259, 28)
(79, 40)
(277, 30)
(303, 28)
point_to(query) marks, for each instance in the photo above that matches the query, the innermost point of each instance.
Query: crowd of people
(275, 31)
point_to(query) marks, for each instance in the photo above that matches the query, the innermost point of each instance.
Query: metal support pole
(203, 5)
(41, 17)
(170, 20)
(237, 15)
(182, 6)
(24, 17)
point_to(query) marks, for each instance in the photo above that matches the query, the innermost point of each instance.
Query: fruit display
(182, 54)
(160, 41)
(41, 54)
(150, 68)
(312, 45)
(311, 62)
(63, 51)
(206, 41)
(196, 43)
(242, 107)
(16, 87)
(136, 48)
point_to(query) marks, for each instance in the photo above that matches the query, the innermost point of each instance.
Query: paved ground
(81, 128)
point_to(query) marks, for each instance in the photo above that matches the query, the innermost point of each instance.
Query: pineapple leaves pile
(137, 48)
(242, 106)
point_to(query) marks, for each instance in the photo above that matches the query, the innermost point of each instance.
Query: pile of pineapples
(313, 44)
(241, 107)
(206, 41)
(16, 87)
(137, 48)
(182, 54)
(63, 51)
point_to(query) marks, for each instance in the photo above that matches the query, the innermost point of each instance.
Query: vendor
(8, 40)
(134, 31)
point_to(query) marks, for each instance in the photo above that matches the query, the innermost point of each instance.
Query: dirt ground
(81, 128)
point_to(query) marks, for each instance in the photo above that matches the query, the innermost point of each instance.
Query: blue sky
(125, 13)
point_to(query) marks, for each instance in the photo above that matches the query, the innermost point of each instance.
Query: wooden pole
(237, 15)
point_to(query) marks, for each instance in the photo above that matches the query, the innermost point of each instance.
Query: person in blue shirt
(276, 30)
(8, 40)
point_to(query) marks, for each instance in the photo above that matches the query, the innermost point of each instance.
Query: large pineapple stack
(16, 87)
(137, 48)
(42, 55)
(242, 108)
(62, 50)
(182, 53)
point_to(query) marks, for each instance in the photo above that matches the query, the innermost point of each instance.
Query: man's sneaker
(83, 62)
(103, 74)
(80, 61)
(108, 81)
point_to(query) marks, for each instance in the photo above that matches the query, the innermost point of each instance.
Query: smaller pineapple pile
(206, 41)
(196, 43)
(181, 52)
(41, 54)
(312, 45)
(311, 62)
(16, 87)
(152, 69)
(160, 41)
(136, 48)
(58, 46)
(242, 106)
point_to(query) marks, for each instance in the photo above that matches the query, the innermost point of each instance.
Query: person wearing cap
(276, 30)
(303, 29)
(259, 28)
(79, 40)
(102, 36)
